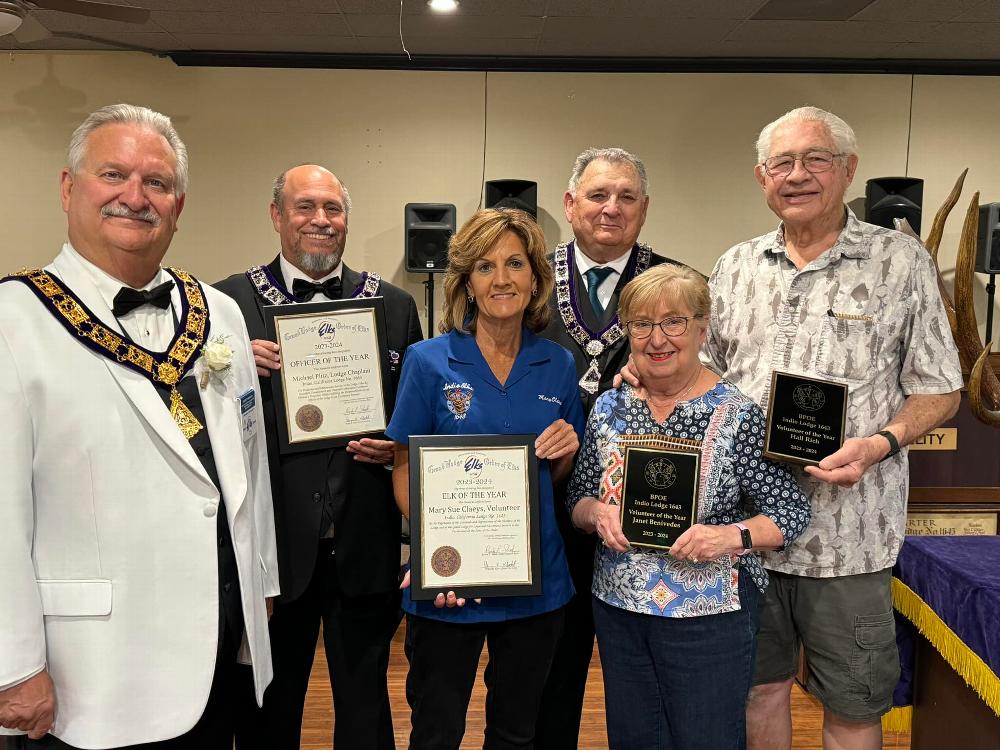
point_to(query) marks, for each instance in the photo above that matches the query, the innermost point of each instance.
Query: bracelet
(893, 444)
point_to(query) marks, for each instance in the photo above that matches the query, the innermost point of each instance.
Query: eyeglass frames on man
(675, 325)
(814, 162)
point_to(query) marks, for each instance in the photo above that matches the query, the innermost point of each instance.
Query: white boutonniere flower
(218, 356)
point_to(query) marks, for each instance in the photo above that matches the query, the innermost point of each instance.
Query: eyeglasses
(813, 162)
(673, 326)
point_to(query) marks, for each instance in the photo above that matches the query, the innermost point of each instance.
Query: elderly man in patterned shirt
(832, 297)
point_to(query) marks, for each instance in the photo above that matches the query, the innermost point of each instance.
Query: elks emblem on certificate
(458, 397)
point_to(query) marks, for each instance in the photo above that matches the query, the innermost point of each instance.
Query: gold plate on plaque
(941, 439)
(951, 524)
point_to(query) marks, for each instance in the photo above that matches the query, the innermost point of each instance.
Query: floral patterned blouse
(736, 482)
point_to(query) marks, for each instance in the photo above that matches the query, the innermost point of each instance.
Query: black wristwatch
(893, 444)
(745, 538)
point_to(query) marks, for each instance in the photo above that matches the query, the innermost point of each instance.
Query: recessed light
(443, 6)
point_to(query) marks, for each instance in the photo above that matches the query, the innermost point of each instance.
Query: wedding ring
(694, 559)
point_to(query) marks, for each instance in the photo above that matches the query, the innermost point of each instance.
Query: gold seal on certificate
(805, 418)
(446, 561)
(309, 418)
(474, 516)
(333, 384)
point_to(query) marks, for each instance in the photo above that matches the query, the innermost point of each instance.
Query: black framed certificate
(659, 493)
(806, 418)
(333, 385)
(474, 516)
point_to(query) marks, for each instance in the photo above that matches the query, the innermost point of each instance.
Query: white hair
(841, 133)
(612, 156)
(130, 114)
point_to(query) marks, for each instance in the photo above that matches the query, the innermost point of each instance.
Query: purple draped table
(948, 589)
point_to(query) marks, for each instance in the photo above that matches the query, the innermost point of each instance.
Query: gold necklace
(683, 393)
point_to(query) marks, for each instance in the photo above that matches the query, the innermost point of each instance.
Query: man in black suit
(338, 527)
(606, 204)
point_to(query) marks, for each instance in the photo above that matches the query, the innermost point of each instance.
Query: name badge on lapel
(248, 416)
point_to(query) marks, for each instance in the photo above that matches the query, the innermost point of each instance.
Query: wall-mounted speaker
(988, 246)
(429, 227)
(888, 198)
(522, 194)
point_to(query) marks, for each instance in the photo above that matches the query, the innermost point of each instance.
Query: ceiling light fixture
(10, 18)
(443, 6)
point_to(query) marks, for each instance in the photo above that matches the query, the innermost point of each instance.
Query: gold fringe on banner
(898, 719)
(966, 662)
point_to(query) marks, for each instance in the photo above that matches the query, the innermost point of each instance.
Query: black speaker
(522, 194)
(988, 246)
(888, 198)
(429, 227)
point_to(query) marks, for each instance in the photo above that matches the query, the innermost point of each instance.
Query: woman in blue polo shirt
(489, 374)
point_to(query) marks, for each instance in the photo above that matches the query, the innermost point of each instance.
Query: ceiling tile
(381, 7)
(619, 33)
(293, 43)
(243, 6)
(915, 10)
(54, 20)
(470, 27)
(932, 29)
(652, 8)
(986, 10)
(961, 34)
(465, 8)
(949, 51)
(458, 46)
(825, 32)
(640, 47)
(531, 8)
(143, 40)
(814, 10)
(824, 47)
(178, 22)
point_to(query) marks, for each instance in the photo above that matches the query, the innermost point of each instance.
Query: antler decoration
(983, 385)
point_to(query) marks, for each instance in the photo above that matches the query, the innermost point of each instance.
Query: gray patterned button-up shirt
(867, 313)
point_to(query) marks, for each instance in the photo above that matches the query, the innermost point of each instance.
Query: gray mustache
(124, 212)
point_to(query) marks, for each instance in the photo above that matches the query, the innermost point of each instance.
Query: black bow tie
(129, 299)
(306, 290)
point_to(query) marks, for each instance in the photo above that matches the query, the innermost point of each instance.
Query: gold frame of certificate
(474, 516)
(333, 385)
(660, 480)
(806, 418)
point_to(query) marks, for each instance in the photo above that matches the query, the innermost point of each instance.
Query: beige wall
(398, 136)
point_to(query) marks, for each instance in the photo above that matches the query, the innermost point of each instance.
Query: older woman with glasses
(676, 627)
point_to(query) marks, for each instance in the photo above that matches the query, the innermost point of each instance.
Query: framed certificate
(333, 384)
(659, 499)
(805, 418)
(474, 516)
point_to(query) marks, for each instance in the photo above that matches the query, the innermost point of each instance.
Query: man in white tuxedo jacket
(137, 545)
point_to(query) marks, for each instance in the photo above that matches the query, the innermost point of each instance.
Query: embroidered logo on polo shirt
(458, 396)
(550, 399)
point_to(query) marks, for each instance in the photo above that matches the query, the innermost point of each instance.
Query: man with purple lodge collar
(337, 521)
(606, 204)
(136, 531)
